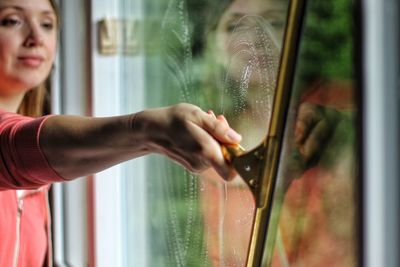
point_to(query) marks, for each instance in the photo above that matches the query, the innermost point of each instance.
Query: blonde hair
(36, 102)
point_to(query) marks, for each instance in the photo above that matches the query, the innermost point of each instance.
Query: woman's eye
(8, 22)
(231, 27)
(48, 25)
(277, 24)
(236, 27)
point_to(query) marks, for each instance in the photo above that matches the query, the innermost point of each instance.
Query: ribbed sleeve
(23, 164)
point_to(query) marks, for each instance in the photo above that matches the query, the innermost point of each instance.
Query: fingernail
(222, 117)
(233, 135)
(211, 113)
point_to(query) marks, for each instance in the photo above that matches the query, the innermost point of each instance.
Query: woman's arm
(76, 146)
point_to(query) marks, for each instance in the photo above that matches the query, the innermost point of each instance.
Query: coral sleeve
(22, 163)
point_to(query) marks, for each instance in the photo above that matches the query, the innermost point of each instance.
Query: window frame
(70, 95)
(381, 78)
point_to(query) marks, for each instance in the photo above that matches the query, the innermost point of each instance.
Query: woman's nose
(34, 36)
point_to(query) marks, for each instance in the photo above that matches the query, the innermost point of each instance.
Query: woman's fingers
(218, 127)
(307, 117)
(313, 144)
(191, 137)
(211, 153)
(313, 128)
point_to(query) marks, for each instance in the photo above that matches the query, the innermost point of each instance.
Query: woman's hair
(36, 102)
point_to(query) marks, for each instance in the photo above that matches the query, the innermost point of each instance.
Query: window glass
(219, 55)
(315, 204)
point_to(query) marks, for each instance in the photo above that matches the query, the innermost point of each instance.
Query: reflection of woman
(243, 46)
(246, 42)
(316, 214)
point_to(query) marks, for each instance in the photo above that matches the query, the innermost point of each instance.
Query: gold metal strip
(275, 134)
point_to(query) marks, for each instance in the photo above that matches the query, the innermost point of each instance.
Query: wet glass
(222, 56)
(315, 208)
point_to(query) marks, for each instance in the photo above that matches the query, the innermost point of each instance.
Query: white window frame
(381, 127)
(70, 96)
(91, 215)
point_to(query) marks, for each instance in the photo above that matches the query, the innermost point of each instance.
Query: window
(285, 75)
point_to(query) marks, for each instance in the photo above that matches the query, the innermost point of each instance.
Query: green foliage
(326, 49)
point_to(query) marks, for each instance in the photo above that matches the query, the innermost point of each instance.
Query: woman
(36, 152)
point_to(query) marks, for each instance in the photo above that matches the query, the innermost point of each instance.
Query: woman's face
(28, 38)
(248, 39)
(273, 11)
(249, 35)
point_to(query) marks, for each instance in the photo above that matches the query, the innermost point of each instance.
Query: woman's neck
(11, 103)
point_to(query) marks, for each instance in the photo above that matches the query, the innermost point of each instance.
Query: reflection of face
(250, 33)
(248, 38)
(273, 11)
(27, 43)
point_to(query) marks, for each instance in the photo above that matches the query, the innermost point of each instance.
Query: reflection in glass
(314, 215)
(244, 47)
(220, 55)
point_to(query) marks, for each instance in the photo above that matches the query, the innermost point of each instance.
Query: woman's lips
(31, 61)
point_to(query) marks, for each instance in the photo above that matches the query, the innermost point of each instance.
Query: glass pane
(314, 220)
(219, 55)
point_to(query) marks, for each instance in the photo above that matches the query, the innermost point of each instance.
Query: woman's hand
(189, 136)
(313, 128)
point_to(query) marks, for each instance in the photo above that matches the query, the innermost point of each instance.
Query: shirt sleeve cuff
(32, 158)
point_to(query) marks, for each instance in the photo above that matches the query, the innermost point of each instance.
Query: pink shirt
(24, 221)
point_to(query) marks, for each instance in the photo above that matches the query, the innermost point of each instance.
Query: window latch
(118, 36)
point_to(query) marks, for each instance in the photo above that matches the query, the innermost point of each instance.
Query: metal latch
(118, 36)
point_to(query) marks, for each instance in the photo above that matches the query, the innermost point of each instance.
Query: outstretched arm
(76, 146)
